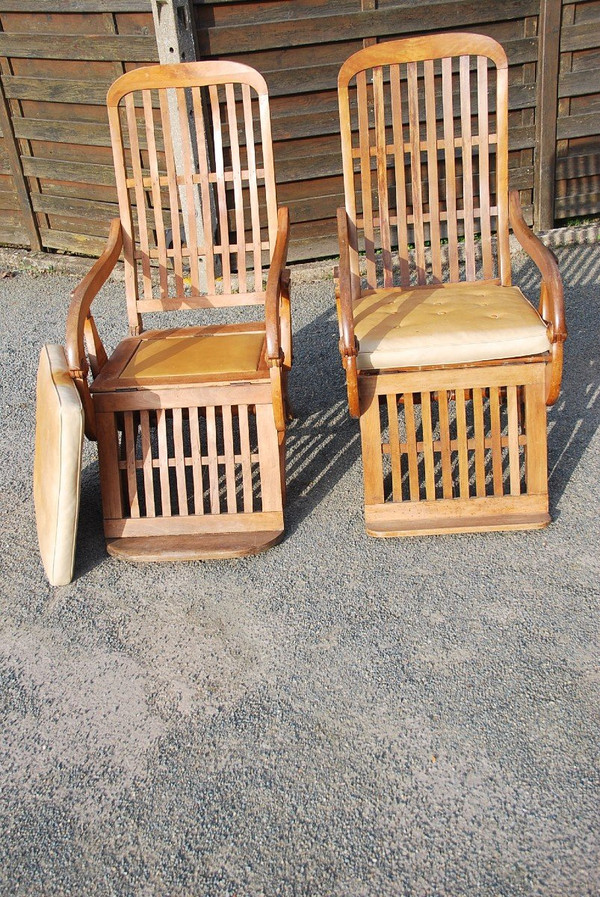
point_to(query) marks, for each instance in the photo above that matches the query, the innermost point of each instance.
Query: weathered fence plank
(58, 58)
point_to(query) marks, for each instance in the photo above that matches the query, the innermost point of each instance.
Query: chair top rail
(185, 74)
(418, 49)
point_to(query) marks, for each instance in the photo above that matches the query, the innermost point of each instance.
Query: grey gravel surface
(339, 716)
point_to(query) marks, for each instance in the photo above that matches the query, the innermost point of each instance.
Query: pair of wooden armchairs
(448, 367)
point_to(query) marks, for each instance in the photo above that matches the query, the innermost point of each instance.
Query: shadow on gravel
(90, 549)
(323, 441)
(575, 418)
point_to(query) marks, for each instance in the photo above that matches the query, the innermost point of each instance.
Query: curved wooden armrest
(278, 321)
(274, 290)
(81, 326)
(552, 301)
(348, 344)
(552, 304)
(83, 296)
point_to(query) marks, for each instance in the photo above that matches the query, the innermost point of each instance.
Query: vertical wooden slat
(428, 446)
(450, 168)
(229, 452)
(394, 438)
(370, 429)
(163, 462)
(234, 144)
(415, 168)
(479, 438)
(191, 231)
(203, 167)
(132, 487)
(411, 441)
(217, 134)
(467, 165)
(268, 459)
(365, 176)
(461, 438)
(140, 193)
(536, 453)
(446, 455)
(196, 448)
(159, 223)
(269, 167)
(108, 458)
(432, 171)
(253, 186)
(504, 269)
(484, 166)
(213, 464)
(165, 121)
(513, 441)
(147, 466)
(496, 440)
(382, 178)
(180, 474)
(400, 173)
(246, 460)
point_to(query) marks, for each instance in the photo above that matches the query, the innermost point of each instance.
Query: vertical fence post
(175, 39)
(544, 183)
(16, 169)
(364, 5)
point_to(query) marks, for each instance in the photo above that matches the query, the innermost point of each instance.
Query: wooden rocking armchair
(448, 366)
(190, 421)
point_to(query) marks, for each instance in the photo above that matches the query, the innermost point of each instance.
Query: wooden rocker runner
(448, 366)
(190, 421)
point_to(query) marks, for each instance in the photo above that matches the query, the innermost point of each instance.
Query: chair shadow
(575, 418)
(90, 548)
(323, 442)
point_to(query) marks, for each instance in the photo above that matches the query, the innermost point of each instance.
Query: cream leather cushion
(445, 325)
(57, 464)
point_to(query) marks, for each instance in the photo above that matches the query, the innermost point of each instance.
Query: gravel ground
(340, 716)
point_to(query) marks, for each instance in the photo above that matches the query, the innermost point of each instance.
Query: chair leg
(447, 451)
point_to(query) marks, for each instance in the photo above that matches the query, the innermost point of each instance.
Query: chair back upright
(424, 125)
(194, 170)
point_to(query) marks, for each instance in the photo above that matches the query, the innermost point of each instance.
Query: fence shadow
(574, 419)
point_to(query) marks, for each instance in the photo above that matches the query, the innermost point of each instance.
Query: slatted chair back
(424, 140)
(194, 170)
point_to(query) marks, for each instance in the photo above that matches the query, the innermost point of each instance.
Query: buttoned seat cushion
(57, 464)
(453, 324)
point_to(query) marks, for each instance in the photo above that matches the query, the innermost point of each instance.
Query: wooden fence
(57, 58)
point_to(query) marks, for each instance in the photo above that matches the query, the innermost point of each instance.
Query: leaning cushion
(57, 464)
(453, 324)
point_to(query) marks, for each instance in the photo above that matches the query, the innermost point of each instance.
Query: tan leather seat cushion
(57, 464)
(196, 355)
(445, 325)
